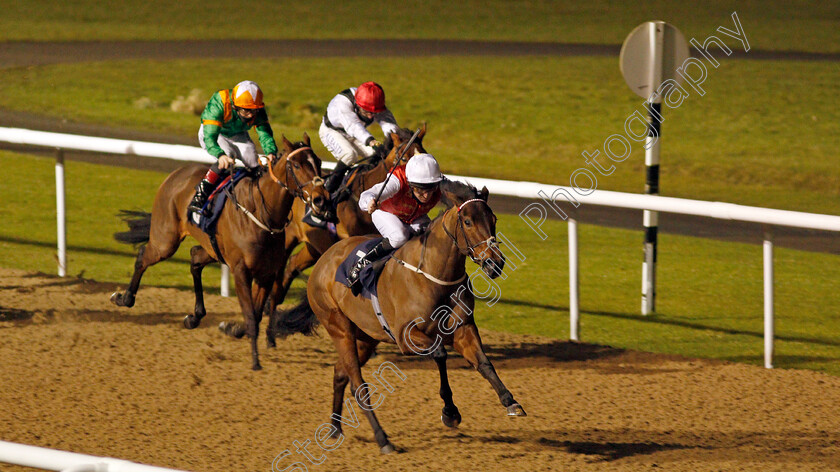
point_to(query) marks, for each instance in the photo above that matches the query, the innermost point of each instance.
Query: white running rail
(528, 190)
(62, 461)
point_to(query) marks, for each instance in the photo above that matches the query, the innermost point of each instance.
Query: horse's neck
(441, 258)
(273, 201)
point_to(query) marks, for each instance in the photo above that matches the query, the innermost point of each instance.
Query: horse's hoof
(516, 410)
(119, 299)
(451, 421)
(256, 367)
(191, 322)
(232, 329)
(270, 343)
(387, 449)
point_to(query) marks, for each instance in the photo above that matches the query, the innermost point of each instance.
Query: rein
(298, 192)
(491, 241)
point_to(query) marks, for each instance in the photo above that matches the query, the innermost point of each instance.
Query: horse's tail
(300, 319)
(139, 226)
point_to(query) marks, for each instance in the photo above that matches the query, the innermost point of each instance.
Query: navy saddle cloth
(216, 203)
(369, 274)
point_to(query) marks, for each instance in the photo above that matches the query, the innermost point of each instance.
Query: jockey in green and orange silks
(224, 134)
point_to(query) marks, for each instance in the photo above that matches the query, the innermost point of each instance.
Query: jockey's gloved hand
(226, 162)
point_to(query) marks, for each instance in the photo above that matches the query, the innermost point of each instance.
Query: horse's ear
(395, 138)
(287, 144)
(306, 138)
(422, 132)
(483, 194)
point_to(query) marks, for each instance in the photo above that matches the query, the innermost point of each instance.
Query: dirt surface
(81, 374)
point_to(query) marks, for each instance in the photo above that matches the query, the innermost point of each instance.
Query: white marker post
(60, 214)
(649, 56)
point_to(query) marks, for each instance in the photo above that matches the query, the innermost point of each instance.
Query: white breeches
(238, 146)
(346, 149)
(394, 230)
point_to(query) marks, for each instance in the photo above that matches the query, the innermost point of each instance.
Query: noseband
(300, 191)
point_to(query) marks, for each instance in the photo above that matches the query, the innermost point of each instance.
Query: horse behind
(352, 221)
(252, 246)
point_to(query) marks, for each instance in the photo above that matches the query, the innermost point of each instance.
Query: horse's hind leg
(278, 291)
(199, 258)
(302, 260)
(449, 415)
(467, 341)
(340, 380)
(299, 262)
(156, 250)
(344, 337)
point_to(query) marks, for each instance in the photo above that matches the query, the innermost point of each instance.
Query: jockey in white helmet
(402, 211)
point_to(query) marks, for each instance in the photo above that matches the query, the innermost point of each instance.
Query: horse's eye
(468, 222)
(297, 166)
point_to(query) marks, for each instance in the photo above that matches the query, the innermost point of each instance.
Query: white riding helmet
(423, 170)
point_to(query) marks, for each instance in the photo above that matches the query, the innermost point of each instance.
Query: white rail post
(224, 285)
(61, 227)
(769, 322)
(574, 287)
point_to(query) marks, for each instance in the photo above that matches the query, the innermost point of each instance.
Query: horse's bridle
(470, 249)
(300, 191)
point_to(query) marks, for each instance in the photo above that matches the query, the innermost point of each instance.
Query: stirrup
(313, 220)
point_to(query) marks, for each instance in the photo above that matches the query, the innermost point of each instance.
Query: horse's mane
(455, 192)
(403, 133)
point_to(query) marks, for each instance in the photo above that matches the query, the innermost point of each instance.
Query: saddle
(216, 203)
(369, 276)
(343, 192)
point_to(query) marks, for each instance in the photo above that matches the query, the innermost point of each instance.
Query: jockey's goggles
(429, 186)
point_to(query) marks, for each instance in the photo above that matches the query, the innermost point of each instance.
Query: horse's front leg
(467, 342)
(449, 415)
(244, 281)
(415, 340)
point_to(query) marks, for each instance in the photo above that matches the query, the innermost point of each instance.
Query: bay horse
(426, 309)
(251, 243)
(352, 221)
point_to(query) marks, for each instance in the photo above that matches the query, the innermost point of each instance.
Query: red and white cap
(370, 97)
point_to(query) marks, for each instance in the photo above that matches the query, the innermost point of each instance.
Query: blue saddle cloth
(369, 274)
(216, 203)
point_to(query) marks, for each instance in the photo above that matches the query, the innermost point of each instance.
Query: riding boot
(333, 181)
(380, 250)
(203, 190)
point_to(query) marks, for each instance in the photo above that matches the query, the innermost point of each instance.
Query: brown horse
(352, 220)
(426, 309)
(250, 234)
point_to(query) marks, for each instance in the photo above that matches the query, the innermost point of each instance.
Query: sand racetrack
(80, 374)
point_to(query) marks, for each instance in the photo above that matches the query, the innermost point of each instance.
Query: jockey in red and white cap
(408, 196)
(344, 127)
